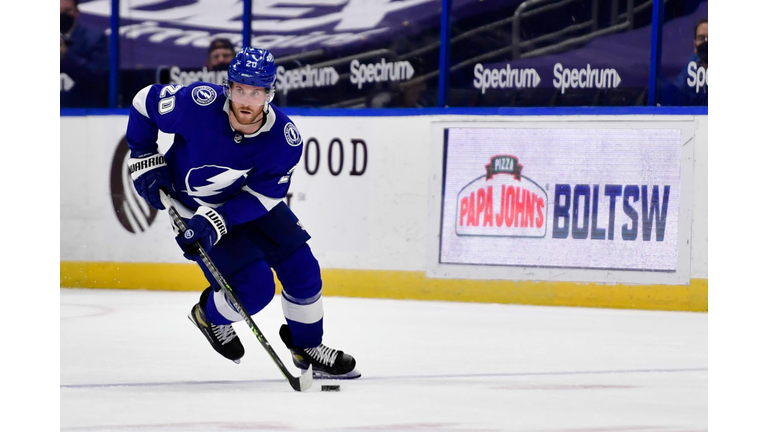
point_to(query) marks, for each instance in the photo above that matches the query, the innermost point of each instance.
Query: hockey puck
(330, 388)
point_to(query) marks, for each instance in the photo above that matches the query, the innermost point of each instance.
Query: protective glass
(249, 95)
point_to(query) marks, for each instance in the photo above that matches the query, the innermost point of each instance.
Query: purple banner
(607, 62)
(177, 32)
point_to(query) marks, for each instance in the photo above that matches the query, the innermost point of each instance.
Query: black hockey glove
(207, 226)
(150, 174)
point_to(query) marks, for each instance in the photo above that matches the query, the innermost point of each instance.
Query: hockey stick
(298, 383)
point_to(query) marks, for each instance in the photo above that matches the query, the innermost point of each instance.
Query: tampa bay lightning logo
(213, 184)
(188, 234)
(203, 95)
(292, 134)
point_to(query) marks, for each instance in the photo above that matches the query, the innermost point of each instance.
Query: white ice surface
(131, 361)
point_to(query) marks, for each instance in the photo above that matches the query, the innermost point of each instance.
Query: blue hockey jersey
(242, 176)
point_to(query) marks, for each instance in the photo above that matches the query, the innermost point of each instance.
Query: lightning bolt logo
(204, 95)
(211, 180)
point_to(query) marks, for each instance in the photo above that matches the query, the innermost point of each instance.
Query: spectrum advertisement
(590, 198)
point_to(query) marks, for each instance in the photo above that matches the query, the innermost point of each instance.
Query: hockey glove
(149, 175)
(207, 226)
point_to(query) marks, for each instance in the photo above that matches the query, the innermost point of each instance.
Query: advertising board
(374, 194)
(562, 196)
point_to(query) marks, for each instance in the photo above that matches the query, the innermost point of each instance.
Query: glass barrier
(684, 61)
(84, 60)
(344, 53)
(550, 52)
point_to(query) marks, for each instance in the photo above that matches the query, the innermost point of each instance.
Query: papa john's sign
(588, 198)
(502, 202)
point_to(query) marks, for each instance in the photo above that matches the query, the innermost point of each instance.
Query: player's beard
(249, 117)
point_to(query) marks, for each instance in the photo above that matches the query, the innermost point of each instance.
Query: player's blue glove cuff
(149, 175)
(207, 226)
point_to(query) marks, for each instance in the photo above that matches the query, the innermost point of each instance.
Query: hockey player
(227, 171)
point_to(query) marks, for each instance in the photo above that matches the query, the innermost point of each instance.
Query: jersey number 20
(167, 104)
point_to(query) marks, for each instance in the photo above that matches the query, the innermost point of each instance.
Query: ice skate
(327, 363)
(221, 337)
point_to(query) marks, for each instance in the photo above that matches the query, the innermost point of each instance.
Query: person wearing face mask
(221, 52)
(688, 82)
(84, 61)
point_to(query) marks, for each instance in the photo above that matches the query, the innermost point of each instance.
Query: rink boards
(603, 211)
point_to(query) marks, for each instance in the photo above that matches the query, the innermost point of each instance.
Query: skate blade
(236, 361)
(353, 374)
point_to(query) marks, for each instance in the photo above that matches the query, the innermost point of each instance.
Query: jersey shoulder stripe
(140, 100)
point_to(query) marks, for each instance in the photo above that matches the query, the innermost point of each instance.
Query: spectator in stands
(696, 67)
(84, 61)
(221, 52)
(700, 42)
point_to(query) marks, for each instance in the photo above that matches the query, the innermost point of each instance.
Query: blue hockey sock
(302, 297)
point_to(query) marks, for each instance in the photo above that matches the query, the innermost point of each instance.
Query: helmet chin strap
(257, 120)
